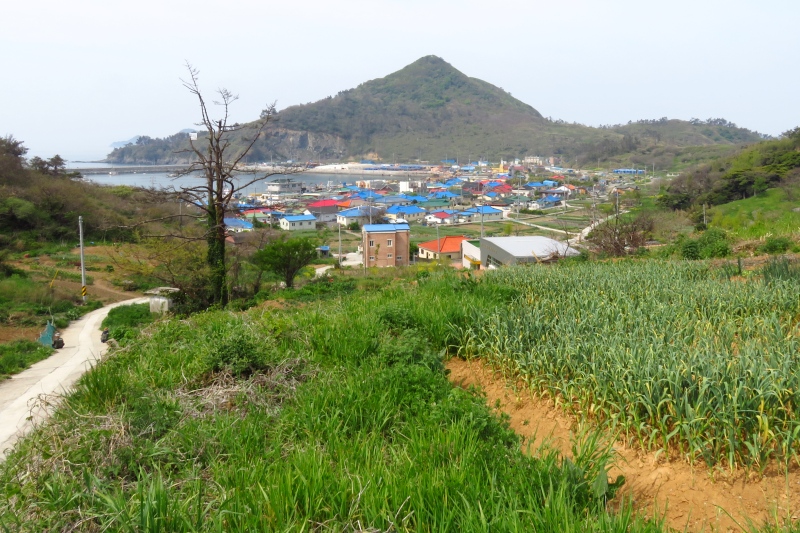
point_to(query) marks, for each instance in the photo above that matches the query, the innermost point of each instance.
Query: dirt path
(691, 498)
(28, 397)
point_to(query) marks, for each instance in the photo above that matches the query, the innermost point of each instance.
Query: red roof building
(448, 247)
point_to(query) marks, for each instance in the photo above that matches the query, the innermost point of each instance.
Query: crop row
(667, 352)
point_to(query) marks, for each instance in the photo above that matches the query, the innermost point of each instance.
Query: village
(474, 217)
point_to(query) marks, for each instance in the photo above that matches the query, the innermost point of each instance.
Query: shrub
(690, 249)
(237, 352)
(775, 245)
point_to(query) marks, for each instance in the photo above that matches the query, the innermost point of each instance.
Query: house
(499, 251)
(237, 224)
(364, 214)
(298, 222)
(410, 213)
(445, 216)
(385, 245)
(324, 210)
(392, 200)
(549, 201)
(284, 186)
(448, 247)
(481, 212)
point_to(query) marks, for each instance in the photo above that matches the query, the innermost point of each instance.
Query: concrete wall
(160, 304)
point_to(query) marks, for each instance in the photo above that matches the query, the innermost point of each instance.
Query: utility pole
(83, 264)
(340, 245)
(438, 245)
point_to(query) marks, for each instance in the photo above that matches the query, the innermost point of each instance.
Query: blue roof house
(298, 222)
(481, 212)
(237, 224)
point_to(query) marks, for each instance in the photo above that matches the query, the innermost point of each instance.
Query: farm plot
(669, 353)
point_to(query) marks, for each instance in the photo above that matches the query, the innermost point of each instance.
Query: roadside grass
(125, 321)
(18, 355)
(332, 415)
(27, 302)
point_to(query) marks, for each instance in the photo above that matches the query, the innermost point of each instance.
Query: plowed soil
(693, 498)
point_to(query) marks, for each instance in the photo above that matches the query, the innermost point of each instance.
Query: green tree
(286, 257)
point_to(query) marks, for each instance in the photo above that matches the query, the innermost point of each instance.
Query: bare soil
(691, 498)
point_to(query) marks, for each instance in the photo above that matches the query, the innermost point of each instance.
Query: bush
(690, 249)
(238, 355)
(710, 244)
(775, 245)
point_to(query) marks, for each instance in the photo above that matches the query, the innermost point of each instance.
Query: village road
(28, 397)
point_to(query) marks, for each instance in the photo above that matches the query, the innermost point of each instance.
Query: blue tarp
(46, 337)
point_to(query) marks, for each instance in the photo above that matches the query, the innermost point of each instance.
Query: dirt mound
(695, 498)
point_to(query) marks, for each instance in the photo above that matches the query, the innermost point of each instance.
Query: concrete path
(20, 407)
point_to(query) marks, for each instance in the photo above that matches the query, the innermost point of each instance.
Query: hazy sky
(79, 75)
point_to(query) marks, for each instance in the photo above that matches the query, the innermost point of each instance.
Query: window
(292, 224)
(388, 242)
(399, 257)
(371, 244)
(388, 256)
(372, 258)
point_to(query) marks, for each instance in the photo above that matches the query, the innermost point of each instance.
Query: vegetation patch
(18, 355)
(344, 420)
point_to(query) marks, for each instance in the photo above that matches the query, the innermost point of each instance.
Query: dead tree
(219, 170)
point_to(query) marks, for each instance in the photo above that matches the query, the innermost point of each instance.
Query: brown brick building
(385, 245)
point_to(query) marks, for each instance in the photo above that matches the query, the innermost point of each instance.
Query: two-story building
(385, 245)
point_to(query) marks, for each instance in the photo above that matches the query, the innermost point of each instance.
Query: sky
(82, 74)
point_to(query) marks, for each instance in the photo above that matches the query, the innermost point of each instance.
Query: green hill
(748, 172)
(431, 111)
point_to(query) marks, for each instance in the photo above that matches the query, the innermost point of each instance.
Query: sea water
(161, 180)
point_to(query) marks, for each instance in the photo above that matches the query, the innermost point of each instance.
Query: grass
(124, 322)
(768, 214)
(341, 418)
(18, 355)
(27, 302)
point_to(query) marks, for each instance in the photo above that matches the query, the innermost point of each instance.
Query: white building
(298, 222)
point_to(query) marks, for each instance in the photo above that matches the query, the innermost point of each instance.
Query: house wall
(378, 254)
(323, 217)
(346, 221)
(160, 304)
(469, 250)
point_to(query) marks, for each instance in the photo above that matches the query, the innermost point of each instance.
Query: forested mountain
(431, 111)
